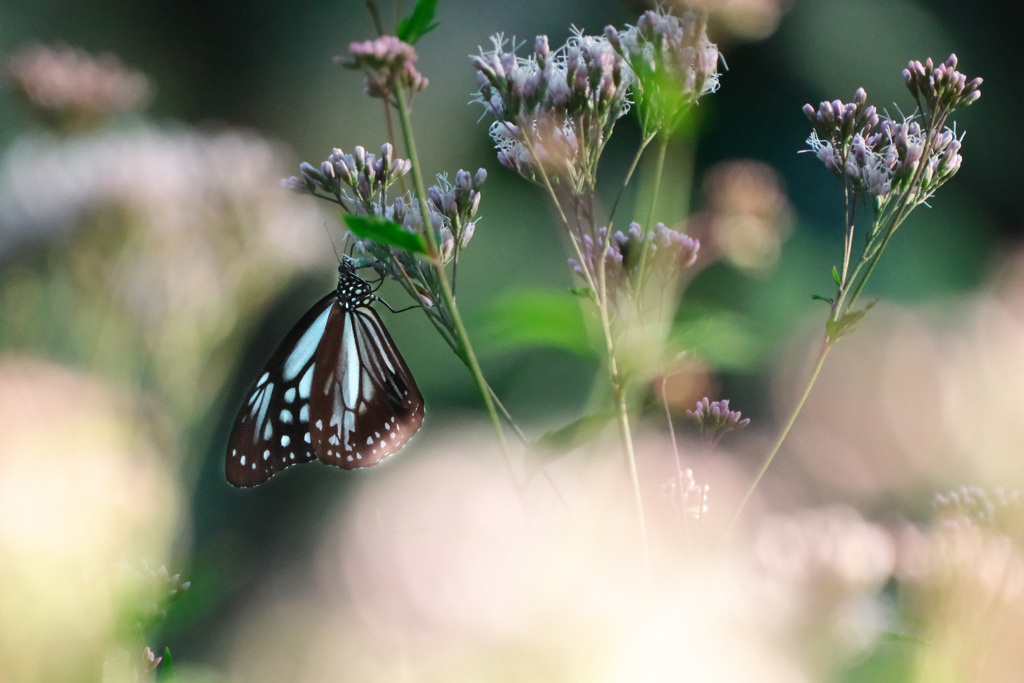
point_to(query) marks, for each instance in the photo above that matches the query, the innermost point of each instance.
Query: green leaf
(816, 297)
(523, 318)
(835, 276)
(845, 324)
(385, 232)
(725, 339)
(576, 433)
(166, 667)
(418, 24)
(583, 292)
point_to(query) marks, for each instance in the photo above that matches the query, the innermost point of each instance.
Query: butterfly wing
(271, 432)
(365, 404)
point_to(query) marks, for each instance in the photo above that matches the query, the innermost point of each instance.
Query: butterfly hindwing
(365, 404)
(271, 432)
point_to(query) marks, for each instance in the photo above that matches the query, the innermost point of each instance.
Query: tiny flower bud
(541, 48)
(467, 233)
(447, 243)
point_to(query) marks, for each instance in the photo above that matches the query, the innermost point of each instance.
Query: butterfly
(335, 389)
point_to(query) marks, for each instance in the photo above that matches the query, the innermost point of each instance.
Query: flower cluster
(887, 159)
(453, 210)
(1001, 510)
(668, 251)
(943, 88)
(458, 205)
(68, 86)
(883, 160)
(359, 178)
(555, 109)
(674, 64)
(387, 62)
(715, 419)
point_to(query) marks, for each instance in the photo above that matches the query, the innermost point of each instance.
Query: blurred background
(150, 263)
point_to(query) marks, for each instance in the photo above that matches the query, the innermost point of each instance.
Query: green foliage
(166, 667)
(578, 432)
(386, 232)
(725, 339)
(523, 318)
(845, 324)
(419, 23)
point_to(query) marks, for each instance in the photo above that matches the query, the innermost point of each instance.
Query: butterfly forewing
(365, 404)
(271, 431)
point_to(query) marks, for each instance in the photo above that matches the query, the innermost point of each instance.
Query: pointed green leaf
(576, 433)
(835, 276)
(582, 292)
(845, 325)
(166, 667)
(532, 318)
(725, 339)
(386, 232)
(419, 23)
(816, 297)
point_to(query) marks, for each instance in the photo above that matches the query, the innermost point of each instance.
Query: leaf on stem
(532, 318)
(386, 232)
(726, 340)
(166, 667)
(818, 297)
(845, 324)
(835, 276)
(419, 23)
(578, 432)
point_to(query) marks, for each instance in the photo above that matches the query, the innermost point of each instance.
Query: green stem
(629, 175)
(658, 170)
(446, 291)
(627, 440)
(826, 346)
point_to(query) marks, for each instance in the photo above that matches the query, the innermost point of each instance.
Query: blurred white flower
(167, 241)
(82, 491)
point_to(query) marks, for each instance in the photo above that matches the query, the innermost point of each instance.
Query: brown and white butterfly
(335, 389)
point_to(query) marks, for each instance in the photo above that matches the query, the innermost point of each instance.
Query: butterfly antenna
(333, 245)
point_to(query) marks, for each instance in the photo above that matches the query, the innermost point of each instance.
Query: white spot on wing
(304, 413)
(242, 461)
(350, 426)
(306, 383)
(286, 416)
(264, 378)
(266, 454)
(306, 347)
(285, 440)
(289, 395)
(350, 378)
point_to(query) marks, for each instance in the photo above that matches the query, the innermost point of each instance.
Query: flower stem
(629, 175)
(658, 170)
(826, 346)
(627, 440)
(446, 291)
